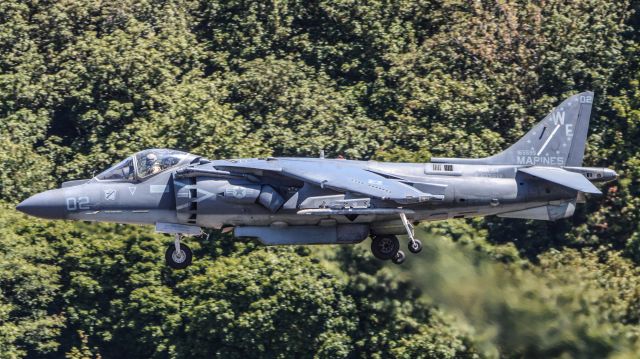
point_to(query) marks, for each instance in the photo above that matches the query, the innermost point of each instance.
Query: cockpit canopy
(144, 164)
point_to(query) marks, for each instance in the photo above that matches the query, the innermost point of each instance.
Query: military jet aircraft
(333, 201)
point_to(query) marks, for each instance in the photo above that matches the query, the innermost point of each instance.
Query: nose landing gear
(178, 255)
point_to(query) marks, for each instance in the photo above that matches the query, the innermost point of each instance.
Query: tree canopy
(84, 83)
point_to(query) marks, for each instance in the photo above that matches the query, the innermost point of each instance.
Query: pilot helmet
(151, 158)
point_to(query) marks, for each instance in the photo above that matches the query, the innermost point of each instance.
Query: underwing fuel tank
(337, 234)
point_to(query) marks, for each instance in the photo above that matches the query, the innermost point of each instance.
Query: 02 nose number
(76, 203)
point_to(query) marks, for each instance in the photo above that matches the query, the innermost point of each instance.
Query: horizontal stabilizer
(562, 177)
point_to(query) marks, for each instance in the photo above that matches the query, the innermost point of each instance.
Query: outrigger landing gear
(415, 246)
(178, 255)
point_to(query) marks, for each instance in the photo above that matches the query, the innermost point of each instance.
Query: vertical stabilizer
(558, 140)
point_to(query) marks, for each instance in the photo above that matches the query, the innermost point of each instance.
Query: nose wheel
(178, 255)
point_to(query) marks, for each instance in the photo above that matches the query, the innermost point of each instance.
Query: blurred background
(84, 83)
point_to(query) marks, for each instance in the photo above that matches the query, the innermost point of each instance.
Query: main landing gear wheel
(415, 246)
(178, 255)
(385, 247)
(399, 257)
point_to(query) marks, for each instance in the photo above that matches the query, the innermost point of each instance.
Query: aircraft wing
(562, 177)
(335, 176)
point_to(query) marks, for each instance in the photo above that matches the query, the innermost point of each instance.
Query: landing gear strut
(178, 255)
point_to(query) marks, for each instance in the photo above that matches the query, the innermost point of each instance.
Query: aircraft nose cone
(49, 205)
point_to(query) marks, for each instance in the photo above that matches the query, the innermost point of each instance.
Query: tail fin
(558, 140)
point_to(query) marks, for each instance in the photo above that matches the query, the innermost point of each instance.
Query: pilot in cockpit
(147, 163)
(151, 165)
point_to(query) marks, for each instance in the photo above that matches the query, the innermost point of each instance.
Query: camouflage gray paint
(326, 201)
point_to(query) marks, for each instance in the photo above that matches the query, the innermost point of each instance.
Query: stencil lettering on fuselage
(540, 160)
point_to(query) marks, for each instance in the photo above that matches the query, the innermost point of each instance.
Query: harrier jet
(333, 201)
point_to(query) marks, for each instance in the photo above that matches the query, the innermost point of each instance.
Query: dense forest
(84, 83)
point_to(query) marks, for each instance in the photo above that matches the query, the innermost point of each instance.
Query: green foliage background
(84, 83)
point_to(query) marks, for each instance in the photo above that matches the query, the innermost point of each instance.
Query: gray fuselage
(468, 191)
